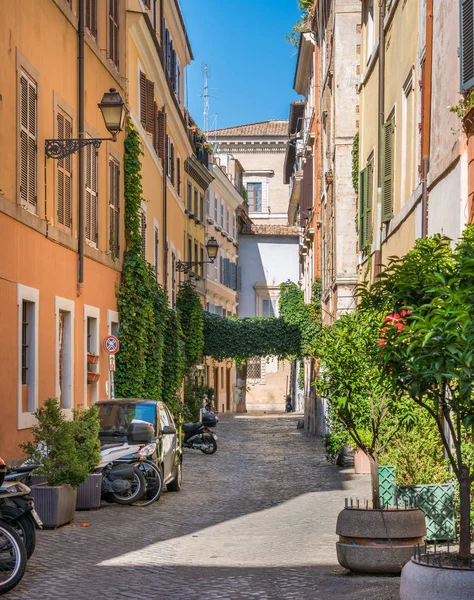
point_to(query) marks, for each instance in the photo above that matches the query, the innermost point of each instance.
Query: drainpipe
(165, 213)
(426, 122)
(80, 232)
(381, 107)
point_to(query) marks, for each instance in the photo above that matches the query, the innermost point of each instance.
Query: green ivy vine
(174, 363)
(191, 317)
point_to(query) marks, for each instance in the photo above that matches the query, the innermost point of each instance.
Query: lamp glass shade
(113, 111)
(212, 248)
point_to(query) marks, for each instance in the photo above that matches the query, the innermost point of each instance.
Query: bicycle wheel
(22, 524)
(12, 558)
(154, 483)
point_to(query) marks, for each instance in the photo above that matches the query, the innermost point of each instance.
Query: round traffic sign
(111, 344)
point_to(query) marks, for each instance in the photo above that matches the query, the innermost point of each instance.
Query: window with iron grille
(143, 230)
(254, 368)
(28, 133)
(64, 175)
(91, 17)
(26, 332)
(114, 207)
(92, 206)
(113, 48)
(254, 197)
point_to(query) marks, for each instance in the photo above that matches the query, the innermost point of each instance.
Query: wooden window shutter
(153, 14)
(64, 175)
(157, 250)
(178, 175)
(114, 207)
(150, 100)
(172, 166)
(147, 4)
(155, 127)
(143, 99)
(92, 208)
(362, 205)
(28, 126)
(387, 170)
(91, 17)
(162, 134)
(467, 44)
(143, 231)
(114, 31)
(368, 203)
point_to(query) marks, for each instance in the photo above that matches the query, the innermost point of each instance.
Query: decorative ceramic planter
(361, 462)
(89, 492)
(378, 541)
(56, 505)
(92, 359)
(436, 583)
(92, 377)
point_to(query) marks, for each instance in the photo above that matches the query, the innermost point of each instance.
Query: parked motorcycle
(12, 551)
(199, 437)
(289, 405)
(17, 507)
(122, 480)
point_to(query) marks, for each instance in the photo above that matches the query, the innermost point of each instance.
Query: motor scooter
(198, 436)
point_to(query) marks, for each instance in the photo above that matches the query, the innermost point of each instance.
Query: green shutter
(467, 44)
(362, 209)
(387, 170)
(369, 200)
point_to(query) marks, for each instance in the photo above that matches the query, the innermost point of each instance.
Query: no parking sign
(111, 346)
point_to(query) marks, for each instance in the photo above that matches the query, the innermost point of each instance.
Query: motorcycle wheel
(211, 442)
(23, 526)
(12, 558)
(136, 491)
(153, 482)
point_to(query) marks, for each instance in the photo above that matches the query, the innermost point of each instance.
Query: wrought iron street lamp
(113, 110)
(212, 248)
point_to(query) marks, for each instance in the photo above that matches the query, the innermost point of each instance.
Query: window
(370, 29)
(171, 164)
(156, 249)
(28, 132)
(64, 174)
(190, 198)
(254, 197)
(28, 307)
(269, 307)
(387, 169)
(201, 207)
(91, 17)
(91, 345)
(196, 202)
(208, 202)
(114, 32)
(254, 368)
(467, 44)
(64, 312)
(147, 104)
(114, 207)
(143, 230)
(173, 280)
(196, 255)
(172, 62)
(201, 266)
(92, 208)
(227, 224)
(178, 176)
(216, 209)
(234, 228)
(222, 215)
(216, 267)
(190, 248)
(408, 141)
(366, 187)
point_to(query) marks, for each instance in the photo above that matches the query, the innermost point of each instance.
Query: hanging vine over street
(191, 317)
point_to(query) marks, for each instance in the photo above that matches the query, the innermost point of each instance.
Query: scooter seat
(187, 427)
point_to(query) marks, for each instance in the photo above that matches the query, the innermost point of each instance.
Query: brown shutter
(28, 141)
(178, 175)
(64, 171)
(155, 127)
(143, 98)
(150, 100)
(162, 134)
(91, 17)
(92, 211)
(387, 170)
(114, 31)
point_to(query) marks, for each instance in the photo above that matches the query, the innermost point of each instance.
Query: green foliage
(243, 338)
(427, 346)
(306, 317)
(174, 363)
(245, 194)
(191, 317)
(417, 454)
(463, 106)
(66, 451)
(335, 439)
(195, 396)
(154, 349)
(355, 163)
(303, 24)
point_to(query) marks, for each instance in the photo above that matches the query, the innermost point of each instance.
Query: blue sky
(251, 65)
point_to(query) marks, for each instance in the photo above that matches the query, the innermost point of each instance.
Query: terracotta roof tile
(264, 128)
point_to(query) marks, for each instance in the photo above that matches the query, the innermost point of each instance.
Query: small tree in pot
(362, 400)
(430, 357)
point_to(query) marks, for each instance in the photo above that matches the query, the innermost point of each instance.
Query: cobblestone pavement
(254, 521)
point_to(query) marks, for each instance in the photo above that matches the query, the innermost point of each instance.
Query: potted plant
(54, 449)
(372, 539)
(428, 354)
(85, 430)
(92, 377)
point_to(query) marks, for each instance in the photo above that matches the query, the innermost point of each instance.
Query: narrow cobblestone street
(256, 520)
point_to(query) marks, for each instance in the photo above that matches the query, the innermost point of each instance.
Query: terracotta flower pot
(92, 377)
(92, 359)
